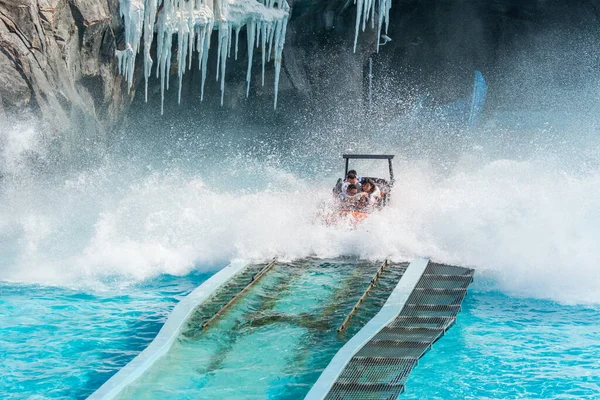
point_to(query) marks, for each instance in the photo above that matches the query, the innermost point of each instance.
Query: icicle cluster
(365, 10)
(193, 21)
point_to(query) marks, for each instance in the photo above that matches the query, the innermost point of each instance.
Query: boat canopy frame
(388, 157)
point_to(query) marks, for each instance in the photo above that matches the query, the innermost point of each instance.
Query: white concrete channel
(167, 335)
(184, 309)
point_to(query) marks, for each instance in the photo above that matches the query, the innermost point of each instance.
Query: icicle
(193, 22)
(181, 64)
(181, 48)
(365, 10)
(258, 30)
(206, 48)
(384, 14)
(229, 36)
(278, 39)
(251, 32)
(162, 88)
(223, 41)
(219, 47)
(373, 14)
(262, 53)
(279, 42)
(237, 39)
(132, 12)
(159, 46)
(165, 69)
(365, 14)
(191, 32)
(168, 59)
(380, 21)
(200, 46)
(149, 18)
(267, 32)
(271, 41)
(368, 13)
(388, 6)
(359, 10)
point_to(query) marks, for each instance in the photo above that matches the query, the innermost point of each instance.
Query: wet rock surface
(57, 57)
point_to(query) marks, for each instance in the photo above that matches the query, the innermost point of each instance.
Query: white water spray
(531, 225)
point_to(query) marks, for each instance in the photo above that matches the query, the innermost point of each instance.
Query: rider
(370, 192)
(353, 171)
(351, 179)
(352, 199)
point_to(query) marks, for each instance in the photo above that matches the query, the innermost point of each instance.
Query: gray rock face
(56, 59)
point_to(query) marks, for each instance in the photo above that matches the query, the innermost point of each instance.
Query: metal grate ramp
(380, 368)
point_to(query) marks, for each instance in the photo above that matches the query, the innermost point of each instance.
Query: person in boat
(353, 171)
(340, 187)
(351, 179)
(352, 201)
(370, 193)
(351, 190)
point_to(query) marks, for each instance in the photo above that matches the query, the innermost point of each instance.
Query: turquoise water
(274, 341)
(58, 343)
(513, 348)
(63, 344)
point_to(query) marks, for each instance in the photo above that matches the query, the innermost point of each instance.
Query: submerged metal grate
(381, 367)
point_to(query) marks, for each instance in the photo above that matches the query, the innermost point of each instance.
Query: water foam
(529, 224)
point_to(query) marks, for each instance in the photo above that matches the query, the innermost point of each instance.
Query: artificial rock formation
(58, 57)
(57, 60)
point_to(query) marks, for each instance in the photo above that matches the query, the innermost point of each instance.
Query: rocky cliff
(57, 57)
(57, 60)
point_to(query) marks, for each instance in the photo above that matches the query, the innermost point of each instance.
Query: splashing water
(530, 222)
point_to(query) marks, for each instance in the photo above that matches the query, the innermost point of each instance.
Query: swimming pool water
(272, 342)
(58, 343)
(61, 343)
(513, 348)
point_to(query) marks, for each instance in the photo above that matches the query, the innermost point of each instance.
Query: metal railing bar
(254, 279)
(364, 296)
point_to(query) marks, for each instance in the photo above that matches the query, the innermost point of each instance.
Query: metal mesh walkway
(379, 370)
